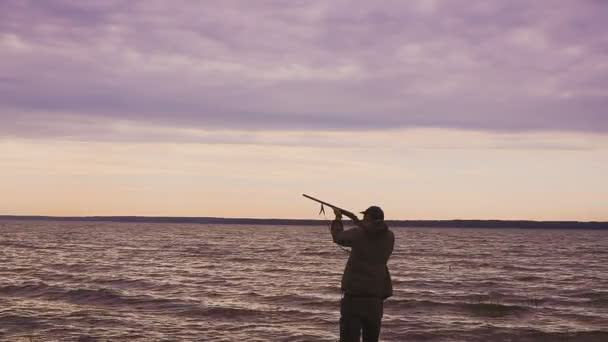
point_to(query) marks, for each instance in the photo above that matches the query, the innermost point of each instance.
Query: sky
(431, 109)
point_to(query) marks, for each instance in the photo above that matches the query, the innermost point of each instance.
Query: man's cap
(375, 212)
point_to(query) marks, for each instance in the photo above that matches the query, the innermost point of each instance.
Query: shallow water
(83, 281)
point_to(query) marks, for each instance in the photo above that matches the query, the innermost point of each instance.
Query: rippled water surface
(83, 281)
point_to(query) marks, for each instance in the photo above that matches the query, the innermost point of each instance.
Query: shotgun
(344, 211)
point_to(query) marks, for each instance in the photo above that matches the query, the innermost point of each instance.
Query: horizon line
(471, 223)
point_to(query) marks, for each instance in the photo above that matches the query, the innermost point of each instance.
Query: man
(366, 281)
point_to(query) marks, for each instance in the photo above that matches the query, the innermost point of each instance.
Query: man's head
(373, 214)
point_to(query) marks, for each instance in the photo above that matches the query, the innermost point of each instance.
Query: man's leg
(373, 319)
(350, 321)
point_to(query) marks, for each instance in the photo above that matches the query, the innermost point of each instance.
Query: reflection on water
(153, 282)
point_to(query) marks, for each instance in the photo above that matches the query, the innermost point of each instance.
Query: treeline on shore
(297, 222)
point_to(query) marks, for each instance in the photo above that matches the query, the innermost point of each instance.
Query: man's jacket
(366, 272)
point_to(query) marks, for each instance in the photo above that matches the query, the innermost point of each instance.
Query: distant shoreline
(521, 224)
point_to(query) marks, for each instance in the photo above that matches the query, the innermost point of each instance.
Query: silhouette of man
(366, 281)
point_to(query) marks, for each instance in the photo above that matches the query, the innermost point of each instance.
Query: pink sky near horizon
(417, 174)
(432, 109)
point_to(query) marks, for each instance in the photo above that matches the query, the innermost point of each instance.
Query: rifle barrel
(325, 203)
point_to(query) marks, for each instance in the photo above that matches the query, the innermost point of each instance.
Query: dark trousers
(360, 314)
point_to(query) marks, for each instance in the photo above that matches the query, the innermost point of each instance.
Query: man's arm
(340, 236)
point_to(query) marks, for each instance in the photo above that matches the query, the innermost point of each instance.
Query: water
(82, 281)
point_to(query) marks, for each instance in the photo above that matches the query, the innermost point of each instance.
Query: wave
(242, 259)
(114, 298)
(601, 301)
(592, 294)
(28, 289)
(301, 300)
(577, 336)
(120, 282)
(528, 278)
(71, 267)
(132, 283)
(92, 296)
(17, 269)
(521, 268)
(480, 309)
(530, 335)
(317, 253)
(415, 303)
(7, 320)
(592, 297)
(96, 296)
(218, 312)
(16, 244)
(494, 309)
(222, 312)
(198, 252)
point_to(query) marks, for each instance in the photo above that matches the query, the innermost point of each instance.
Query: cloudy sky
(431, 109)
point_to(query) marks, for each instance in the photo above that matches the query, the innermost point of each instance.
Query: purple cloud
(305, 65)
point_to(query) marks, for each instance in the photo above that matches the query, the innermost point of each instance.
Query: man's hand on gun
(348, 214)
(338, 213)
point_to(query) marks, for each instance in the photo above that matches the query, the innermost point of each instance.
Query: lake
(100, 281)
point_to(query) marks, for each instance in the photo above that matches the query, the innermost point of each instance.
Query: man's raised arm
(340, 236)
